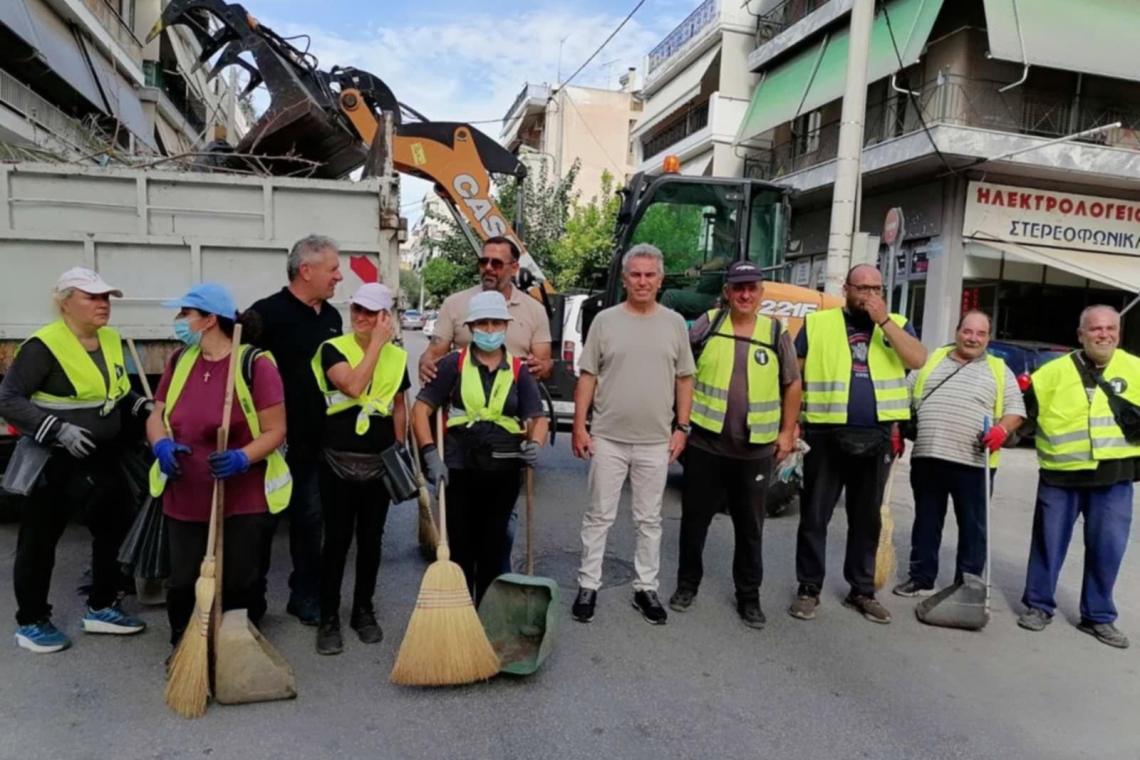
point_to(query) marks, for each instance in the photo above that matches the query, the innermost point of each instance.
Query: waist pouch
(862, 442)
(353, 466)
(492, 455)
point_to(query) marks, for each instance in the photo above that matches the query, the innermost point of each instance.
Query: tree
(678, 230)
(442, 277)
(581, 258)
(410, 281)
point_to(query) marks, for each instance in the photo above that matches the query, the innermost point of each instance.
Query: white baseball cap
(86, 280)
(373, 296)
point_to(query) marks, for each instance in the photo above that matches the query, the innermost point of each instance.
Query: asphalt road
(704, 686)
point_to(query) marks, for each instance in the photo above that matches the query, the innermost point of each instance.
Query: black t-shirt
(1110, 471)
(293, 331)
(523, 402)
(340, 428)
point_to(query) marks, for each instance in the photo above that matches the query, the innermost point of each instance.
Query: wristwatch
(686, 429)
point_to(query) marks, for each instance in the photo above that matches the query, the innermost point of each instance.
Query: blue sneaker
(42, 638)
(111, 620)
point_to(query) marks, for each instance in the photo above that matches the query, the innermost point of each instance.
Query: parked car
(429, 324)
(571, 354)
(412, 320)
(1025, 357)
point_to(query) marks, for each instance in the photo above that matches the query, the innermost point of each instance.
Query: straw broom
(885, 560)
(445, 644)
(188, 682)
(428, 535)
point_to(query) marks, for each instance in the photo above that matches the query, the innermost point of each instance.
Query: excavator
(325, 123)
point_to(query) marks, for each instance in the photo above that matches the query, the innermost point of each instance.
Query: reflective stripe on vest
(714, 375)
(827, 371)
(476, 406)
(1074, 433)
(92, 391)
(382, 389)
(278, 479)
(997, 368)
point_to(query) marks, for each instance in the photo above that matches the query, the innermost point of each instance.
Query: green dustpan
(520, 612)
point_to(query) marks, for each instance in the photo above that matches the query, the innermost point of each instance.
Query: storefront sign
(1027, 216)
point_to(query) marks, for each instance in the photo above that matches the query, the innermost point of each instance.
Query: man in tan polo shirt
(528, 333)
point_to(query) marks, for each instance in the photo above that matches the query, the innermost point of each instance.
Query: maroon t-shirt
(195, 422)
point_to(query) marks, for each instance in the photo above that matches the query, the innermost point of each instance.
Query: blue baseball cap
(208, 298)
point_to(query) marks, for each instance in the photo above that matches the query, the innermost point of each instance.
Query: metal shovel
(520, 612)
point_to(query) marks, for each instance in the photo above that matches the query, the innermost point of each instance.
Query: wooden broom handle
(139, 368)
(412, 439)
(442, 489)
(223, 441)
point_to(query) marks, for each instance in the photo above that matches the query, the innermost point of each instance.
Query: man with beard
(854, 362)
(952, 395)
(1088, 464)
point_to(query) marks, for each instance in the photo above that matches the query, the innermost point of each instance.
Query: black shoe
(329, 640)
(583, 609)
(682, 600)
(649, 605)
(305, 610)
(912, 588)
(751, 615)
(363, 621)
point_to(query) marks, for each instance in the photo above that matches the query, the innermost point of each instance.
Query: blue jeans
(935, 482)
(1108, 519)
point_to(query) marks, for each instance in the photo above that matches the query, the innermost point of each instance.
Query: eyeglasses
(496, 264)
(867, 289)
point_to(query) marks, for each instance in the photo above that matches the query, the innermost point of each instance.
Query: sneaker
(329, 640)
(1034, 619)
(804, 607)
(869, 607)
(111, 620)
(583, 609)
(305, 610)
(912, 588)
(751, 615)
(42, 637)
(682, 600)
(363, 621)
(649, 605)
(1106, 633)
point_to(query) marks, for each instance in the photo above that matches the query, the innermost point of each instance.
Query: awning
(817, 75)
(1091, 36)
(1117, 271)
(678, 91)
(14, 14)
(59, 47)
(122, 97)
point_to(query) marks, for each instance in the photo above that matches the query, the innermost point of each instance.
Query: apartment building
(697, 86)
(426, 232)
(75, 78)
(970, 111)
(549, 128)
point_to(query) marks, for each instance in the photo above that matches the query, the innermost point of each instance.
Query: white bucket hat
(489, 304)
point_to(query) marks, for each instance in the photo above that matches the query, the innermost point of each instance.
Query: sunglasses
(496, 264)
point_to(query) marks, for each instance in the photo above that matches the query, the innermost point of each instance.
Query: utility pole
(844, 222)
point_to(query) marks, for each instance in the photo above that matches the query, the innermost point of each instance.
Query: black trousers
(350, 508)
(95, 485)
(745, 483)
(827, 472)
(241, 566)
(479, 505)
(934, 482)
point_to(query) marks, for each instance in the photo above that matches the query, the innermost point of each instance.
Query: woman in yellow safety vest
(183, 430)
(363, 376)
(495, 426)
(66, 393)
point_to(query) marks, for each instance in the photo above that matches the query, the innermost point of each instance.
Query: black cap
(744, 271)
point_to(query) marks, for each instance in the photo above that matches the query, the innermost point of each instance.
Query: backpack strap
(250, 356)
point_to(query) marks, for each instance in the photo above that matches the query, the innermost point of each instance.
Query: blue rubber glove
(166, 452)
(226, 464)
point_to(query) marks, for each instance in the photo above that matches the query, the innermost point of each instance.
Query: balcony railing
(775, 21)
(529, 91)
(119, 29)
(695, 120)
(17, 96)
(966, 103)
(698, 21)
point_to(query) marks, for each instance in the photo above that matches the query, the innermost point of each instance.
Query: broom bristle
(445, 644)
(885, 561)
(188, 682)
(429, 536)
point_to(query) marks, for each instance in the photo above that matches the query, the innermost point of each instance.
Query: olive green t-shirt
(637, 360)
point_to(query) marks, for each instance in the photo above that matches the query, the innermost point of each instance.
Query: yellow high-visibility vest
(378, 396)
(827, 372)
(278, 479)
(714, 375)
(92, 391)
(1074, 433)
(997, 367)
(477, 407)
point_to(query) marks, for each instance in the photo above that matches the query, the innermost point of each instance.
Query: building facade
(971, 113)
(426, 233)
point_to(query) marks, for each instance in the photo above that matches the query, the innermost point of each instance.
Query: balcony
(774, 22)
(178, 93)
(685, 37)
(529, 92)
(19, 98)
(960, 102)
(696, 119)
(117, 27)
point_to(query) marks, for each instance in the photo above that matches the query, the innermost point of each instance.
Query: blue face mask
(489, 341)
(183, 332)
